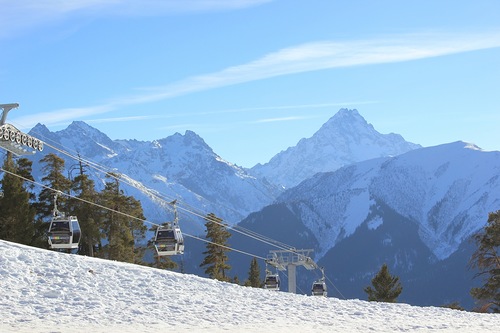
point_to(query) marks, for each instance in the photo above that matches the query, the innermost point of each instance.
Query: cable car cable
(121, 213)
(121, 177)
(145, 190)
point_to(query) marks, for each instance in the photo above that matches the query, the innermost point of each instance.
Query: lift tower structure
(14, 140)
(289, 260)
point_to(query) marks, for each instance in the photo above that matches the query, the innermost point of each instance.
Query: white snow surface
(46, 291)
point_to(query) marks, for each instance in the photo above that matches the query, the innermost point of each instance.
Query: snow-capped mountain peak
(347, 119)
(344, 139)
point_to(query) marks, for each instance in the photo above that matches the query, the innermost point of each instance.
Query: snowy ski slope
(45, 291)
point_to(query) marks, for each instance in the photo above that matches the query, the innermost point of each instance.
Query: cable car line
(112, 173)
(224, 246)
(127, 180)
(278, 244)
(122, 213)
(154, 194)
(331, 282)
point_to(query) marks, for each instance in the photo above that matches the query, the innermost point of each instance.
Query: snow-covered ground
(46, 291)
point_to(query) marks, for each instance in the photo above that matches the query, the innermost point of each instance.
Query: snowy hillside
(179, 167)
(45, 291)
(344, 139)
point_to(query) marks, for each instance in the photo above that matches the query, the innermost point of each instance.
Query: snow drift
(46, 291)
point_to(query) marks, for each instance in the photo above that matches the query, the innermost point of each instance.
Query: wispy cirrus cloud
(23, 15)
(324, 55)
(309, 57)
(61, 116)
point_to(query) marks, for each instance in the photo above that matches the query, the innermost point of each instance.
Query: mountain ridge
(179, 167)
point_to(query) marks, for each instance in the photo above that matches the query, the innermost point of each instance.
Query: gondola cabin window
(60, 226)
(166, 236)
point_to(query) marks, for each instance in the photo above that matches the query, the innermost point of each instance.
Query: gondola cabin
(272, 282)
(319, 288)
(169, 241)
(64, 232)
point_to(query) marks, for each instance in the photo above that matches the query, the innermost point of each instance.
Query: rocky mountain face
(344, 139)
(181, 167)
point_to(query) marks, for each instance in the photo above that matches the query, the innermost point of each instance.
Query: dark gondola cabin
(272, 282)
(169, 241)
(319, 288)
(64, 233)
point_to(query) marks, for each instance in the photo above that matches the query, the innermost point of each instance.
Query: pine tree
(55, 180)
(122, 224)
(254, 275)
(216, 258)
(39, 238)
(164, 262)
(386, 288)
(83, 188)
(16, 212)
(486, 258)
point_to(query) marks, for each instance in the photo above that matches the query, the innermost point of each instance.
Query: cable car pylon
(12, 139)
(289, 260)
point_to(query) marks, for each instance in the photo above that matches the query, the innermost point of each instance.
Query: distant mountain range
(181, 167)
(359, 198)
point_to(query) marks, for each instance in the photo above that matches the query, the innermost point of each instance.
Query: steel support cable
(102, 168)
(224, 246)
(118, 176)
(260, 238)
(73, 197)
(122, 213)
(331, 282)
(278, 243)
(149, 192)
(125, 179)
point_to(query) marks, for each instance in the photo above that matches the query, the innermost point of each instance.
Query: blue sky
(253, 77)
